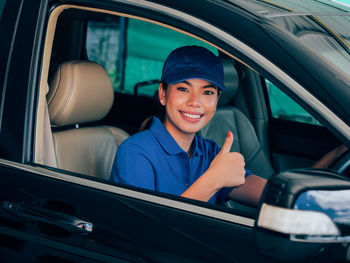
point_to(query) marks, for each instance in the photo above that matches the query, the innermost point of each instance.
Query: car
(78, 77)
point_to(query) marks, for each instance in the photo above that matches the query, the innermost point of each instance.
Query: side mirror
(304, 215)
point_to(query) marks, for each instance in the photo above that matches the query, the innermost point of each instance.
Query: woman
(170, 157)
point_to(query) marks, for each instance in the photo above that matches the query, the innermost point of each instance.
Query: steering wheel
(342, 163)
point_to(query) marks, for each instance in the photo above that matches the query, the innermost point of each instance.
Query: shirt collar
(167, 142)
(196, 151)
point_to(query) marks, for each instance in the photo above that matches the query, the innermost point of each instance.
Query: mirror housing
(304, 215)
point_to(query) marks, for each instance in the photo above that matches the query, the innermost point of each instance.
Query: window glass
(322, 26)
(148, 45)
(105, 45)
(326, 35)
(283, 107)
(133, 52)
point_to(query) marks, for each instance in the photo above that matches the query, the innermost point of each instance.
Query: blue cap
(193, 62)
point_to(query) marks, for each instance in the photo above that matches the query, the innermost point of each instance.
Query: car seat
(81, 92)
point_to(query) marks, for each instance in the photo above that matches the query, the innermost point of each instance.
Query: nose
(194, 99)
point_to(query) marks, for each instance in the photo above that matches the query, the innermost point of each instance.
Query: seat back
(231, 118)
(81, 92)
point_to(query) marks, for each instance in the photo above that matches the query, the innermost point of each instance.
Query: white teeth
(191, 115)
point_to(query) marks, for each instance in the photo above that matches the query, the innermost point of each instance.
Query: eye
(209, 92)
(182, 89)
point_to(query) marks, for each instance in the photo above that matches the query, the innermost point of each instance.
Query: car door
(51, 215)
(297, 138)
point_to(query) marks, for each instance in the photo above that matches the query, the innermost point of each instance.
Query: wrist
(212, 181)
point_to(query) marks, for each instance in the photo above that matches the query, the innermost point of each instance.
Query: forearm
(249, 193)
(330, 157)
(202, 189)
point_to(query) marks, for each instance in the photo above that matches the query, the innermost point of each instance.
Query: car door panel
(295, 144)
(125, 226)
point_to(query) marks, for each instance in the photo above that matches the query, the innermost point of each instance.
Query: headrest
(231, 82)
(81, 91)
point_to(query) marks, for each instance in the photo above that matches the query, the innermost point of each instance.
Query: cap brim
(179, 76)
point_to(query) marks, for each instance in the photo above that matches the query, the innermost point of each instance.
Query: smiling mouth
(192, 116)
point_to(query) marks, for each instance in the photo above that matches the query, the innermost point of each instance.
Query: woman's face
(189, 105)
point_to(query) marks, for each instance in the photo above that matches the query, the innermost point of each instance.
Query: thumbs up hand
(226, 148)
(228, 167)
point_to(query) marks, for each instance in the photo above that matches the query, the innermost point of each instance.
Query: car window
(133, 51)
(105, 45)
(284, 107)
(148, 45)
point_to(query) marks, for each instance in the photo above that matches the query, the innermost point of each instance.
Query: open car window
(132, 52)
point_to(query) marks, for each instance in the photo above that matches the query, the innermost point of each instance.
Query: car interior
(99, 79)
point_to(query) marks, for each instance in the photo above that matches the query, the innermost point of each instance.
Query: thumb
(228, 143)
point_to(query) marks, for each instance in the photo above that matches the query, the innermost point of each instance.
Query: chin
(194, 129)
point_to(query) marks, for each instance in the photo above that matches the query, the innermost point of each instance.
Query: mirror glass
(334, 203)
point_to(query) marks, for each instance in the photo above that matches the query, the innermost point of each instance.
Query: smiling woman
(169, 157)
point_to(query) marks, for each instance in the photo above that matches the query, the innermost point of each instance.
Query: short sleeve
(132, 167)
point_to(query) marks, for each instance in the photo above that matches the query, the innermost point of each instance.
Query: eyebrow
(203, 87)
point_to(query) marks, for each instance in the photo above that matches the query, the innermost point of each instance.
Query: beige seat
(81, 92)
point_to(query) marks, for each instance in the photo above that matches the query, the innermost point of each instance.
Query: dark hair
(160, 109)
(164, 85)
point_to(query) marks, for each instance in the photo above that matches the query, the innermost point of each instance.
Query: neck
(184, 140)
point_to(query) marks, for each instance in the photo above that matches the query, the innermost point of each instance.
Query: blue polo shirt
(153, 160)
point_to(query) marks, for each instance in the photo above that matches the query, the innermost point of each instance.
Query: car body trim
(132, 193)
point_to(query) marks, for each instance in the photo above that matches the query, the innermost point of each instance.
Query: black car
(78, 77)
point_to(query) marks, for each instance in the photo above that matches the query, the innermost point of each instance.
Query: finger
(242, 157)
(228, 143)
(239, 157)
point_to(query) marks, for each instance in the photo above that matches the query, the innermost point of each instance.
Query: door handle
(35, 212)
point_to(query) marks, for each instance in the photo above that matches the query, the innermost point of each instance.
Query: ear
(161, 93)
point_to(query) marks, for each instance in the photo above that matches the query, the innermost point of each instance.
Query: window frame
(176, 202)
